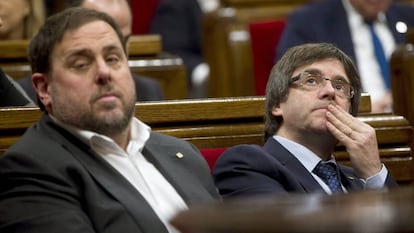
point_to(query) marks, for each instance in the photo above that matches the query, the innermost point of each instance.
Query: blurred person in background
(348, 24)
(11, 94)
(179, 24)
(21, 18)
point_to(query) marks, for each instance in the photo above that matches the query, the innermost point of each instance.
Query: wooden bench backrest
(145, 58)
(224, 122)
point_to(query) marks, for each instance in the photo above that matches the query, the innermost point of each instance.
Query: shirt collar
(308, 159)
(140, 133)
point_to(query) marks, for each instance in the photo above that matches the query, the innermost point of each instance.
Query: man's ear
(277, 111)
(41, 85)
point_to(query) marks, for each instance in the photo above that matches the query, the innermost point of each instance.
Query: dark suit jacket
(10, 95)
(179, 24)
(147, 89)
(326, 21)
(246, 170)
(52, 182)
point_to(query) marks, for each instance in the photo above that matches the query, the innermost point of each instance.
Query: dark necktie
(327, 172)
(380, 55)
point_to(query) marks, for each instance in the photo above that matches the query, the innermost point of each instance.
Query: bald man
(147, 89)
(119, 10)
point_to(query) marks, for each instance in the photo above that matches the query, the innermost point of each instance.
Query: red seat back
(142, 13)
(264, 37)
(211, 155)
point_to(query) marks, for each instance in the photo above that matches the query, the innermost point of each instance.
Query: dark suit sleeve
(10, 94)
(35, 199)
(26, 84)
(246, 170)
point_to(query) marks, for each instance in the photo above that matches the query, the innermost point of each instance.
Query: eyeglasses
(314, 81)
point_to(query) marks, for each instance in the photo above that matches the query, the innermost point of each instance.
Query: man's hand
(359, 139)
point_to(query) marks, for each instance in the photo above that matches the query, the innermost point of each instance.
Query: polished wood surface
(363, 212)
(225, 122)
(402, 78)
(144, 45)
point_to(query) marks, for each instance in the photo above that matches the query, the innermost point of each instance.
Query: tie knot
(327, 172)
(369, 22)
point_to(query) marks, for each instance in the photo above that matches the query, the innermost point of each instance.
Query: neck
(122, 139)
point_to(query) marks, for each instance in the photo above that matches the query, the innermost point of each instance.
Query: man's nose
(103, 71)
(327, 88)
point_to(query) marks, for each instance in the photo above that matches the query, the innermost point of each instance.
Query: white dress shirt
(369, 69)
(157, 191)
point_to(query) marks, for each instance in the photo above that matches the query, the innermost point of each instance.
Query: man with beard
(146, 88)
(88, 165)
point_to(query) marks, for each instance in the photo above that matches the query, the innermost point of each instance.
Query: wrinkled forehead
(93, 36)
(330, 67)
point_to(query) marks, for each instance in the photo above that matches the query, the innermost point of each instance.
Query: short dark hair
(43, 43)
(277, 88)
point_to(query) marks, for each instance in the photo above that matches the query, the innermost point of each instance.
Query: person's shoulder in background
(147, 89)
(11, 94)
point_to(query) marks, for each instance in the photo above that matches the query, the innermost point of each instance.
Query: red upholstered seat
(142, 12)
(264, 36)
(211, 155)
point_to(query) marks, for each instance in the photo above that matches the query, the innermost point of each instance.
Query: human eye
(311, 80)
(80, 64)
(112, 59)
(340, 85)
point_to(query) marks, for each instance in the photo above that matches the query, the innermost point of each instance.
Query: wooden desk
(363, 212)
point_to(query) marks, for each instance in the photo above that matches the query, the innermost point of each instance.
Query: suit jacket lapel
(165, 160)
(110, 179)
(292, 165)
(348, 178)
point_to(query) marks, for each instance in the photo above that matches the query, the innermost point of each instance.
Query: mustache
(323, 105)
(105, 91)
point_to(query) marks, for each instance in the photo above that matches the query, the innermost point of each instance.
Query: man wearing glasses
(312, 99)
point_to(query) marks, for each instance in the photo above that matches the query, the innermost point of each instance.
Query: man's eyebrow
(111, 48)
(313, 71)
(319, 72)
(77, 52)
